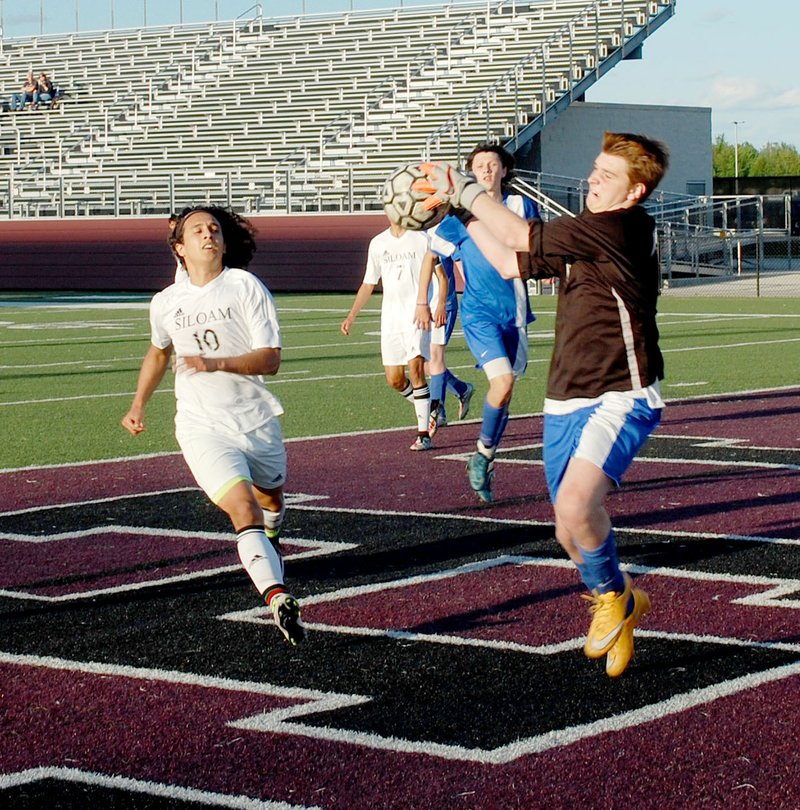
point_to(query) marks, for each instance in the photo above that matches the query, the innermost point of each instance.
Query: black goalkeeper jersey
(606, 338)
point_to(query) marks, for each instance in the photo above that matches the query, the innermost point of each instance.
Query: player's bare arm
(500, 256)
(362, 296)
(440, 316)
(446, 185)
(154, 366)
(504, 225)
(422, 310)
(265, 361)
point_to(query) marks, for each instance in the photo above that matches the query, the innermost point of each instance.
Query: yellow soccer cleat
(620, 655)
(609, 611)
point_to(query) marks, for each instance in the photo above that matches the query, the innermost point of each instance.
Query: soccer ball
(403, 204)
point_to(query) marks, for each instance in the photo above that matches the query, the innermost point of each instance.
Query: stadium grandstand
(302, 115)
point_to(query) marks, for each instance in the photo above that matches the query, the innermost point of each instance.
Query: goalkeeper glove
(446, 185)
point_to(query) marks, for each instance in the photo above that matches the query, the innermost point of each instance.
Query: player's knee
(502, 388)
(572, 510)
(244, 512)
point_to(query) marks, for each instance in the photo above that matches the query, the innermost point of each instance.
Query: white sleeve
(159, 336)
(261, 315)
(372, 275)
(440, 246)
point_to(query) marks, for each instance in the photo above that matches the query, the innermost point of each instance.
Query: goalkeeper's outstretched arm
(500, 256)
(504, 225)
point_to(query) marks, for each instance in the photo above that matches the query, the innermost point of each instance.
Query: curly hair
(238, 233)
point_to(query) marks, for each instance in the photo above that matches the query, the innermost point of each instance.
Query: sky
(736, 57)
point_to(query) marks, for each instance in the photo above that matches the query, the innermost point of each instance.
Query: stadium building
(296, 121)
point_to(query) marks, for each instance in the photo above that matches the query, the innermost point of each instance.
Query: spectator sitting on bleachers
(44, 92)
(27, 91)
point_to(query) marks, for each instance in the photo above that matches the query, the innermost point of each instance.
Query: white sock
(274, 520)
(259, 557)
(422, 407)
(486, 451)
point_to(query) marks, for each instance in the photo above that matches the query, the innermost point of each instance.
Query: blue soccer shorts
(440, 335)
(491, 342)
(608, 433)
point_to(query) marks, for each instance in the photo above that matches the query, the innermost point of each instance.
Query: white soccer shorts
(397, 348)
(218, 459)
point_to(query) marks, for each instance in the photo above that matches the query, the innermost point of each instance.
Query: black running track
(443, 667)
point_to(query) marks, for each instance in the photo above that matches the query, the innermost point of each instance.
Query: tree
(775, 159)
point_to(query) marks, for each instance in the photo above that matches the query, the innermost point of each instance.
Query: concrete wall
(295, 253)
(570, 144)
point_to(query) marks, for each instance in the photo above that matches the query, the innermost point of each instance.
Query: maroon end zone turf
(443, 667)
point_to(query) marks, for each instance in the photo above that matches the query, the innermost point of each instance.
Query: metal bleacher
(299, 113)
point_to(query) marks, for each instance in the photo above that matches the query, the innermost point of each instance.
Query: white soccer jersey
(396, 261)
(231, 315)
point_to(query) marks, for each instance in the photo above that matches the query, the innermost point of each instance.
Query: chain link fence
(730, 246)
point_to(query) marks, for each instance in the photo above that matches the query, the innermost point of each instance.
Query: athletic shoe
(609, 611)
(480, 471)
(421, 443)
(286, 612)
(433, 421)
(441, 418)
(463, 402)
(619, 656)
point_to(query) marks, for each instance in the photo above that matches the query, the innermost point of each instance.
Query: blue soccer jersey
(448, 266)
(487, 296)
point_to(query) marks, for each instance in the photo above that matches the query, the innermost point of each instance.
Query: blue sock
(600, 569)
(492, 419)
(501, 426)
(458, 387)
(437, 386)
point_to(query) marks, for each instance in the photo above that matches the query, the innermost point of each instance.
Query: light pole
(736, 190)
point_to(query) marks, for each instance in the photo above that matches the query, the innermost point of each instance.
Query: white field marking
(292, 499)
(84, 362)
(63, 465)
(366, 375)
(741, 345)
(760, 465)
(772, 597)
(308, 502)
(281, 721)
(687, 384)
(757, 465)
(73, 340)
(313, 548)
(110, 499)
(102, 302)
(696, 638)
(558, 738)
(83, 326)
(706, 317)
(718, 441)
(370, 432)
(266, 722)
(191, 796)
(142, 531)
(451, 641)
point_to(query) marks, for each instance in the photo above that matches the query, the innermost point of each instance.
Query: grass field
(70, 363)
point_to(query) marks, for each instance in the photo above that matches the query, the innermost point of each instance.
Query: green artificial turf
(69, 367)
